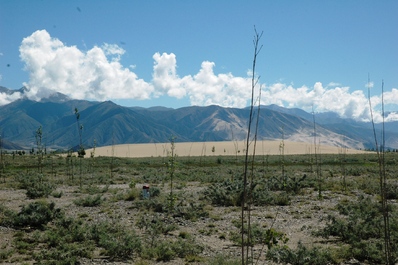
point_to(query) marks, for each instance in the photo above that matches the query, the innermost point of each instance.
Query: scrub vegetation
(193, 211)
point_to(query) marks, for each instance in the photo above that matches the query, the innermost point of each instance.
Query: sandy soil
(220, 148)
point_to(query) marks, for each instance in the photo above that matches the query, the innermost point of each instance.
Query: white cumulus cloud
(333, 97)
(204, 88)
(97, 74)
(8, 98)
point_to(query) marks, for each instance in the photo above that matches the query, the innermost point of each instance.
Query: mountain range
(106, 123)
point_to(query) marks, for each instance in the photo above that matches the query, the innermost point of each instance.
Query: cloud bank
(97, 74)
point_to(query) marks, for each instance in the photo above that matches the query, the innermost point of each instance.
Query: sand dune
(215, 149)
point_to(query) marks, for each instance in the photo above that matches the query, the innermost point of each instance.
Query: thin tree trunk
(245, 254)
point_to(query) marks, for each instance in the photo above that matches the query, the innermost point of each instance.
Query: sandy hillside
(215, 148)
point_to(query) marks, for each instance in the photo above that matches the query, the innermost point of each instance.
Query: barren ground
(298, 220)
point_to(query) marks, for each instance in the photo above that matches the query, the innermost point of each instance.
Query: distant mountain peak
(56, 97)
(108, 123)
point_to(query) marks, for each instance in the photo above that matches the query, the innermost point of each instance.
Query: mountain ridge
(107, 123)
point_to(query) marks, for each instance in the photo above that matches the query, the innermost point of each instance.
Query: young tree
(171, 169)
(245, 216)
(2, 163)
(39, 147)
(382, 178)
(81, 152)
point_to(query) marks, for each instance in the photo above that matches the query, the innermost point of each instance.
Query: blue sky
(180, 53)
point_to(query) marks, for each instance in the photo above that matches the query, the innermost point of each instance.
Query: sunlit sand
(217, 148)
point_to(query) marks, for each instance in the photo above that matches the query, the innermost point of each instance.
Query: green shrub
(157, 205)
(229, 193)
(265, 197)
(65, 254)
(155, 225)
(5, 254)
(154, 192)
(39, 190)
(392, 191)
(190, 210)
(224, 260)
(6, 216)
(300, 256)
(132, 194)
(23, 244)
(89, 201)
(56, 194)
(167, 250)
(186, 248)
(259, 235)
(119, 242)
(36, 214)
(93, 189)
(164, 252)
(226, 193)
(362, 228)
(36, 185)
(289, 184)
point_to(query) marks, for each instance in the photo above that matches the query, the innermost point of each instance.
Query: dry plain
(227, 148)
(201, 227)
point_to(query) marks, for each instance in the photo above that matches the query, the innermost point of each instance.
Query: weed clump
(36, 185)
(36, 215)
(361, 226)
(89, 201)
(300, 256)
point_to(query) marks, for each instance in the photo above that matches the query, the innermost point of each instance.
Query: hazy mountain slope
(108, 123)
(292, 111)
(214, 123)
(19, 128)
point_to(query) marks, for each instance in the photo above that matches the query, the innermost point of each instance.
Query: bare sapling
(112, 165)
(2, 162)
(382, 178)
(282, 158)
(92, 156)
(171, 169)
(39, 149)
(246, 238)
(81, 152)
(236, 145)
(342, 155)
(317, 159)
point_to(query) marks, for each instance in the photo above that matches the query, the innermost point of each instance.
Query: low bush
(5, 254)
(259, 236)
(186, 248)
(120, 243)
(6, 216)
(392, 191)
(230, 192)
(266, 197)
(36, 214)
(361, 226)
(190, 210)
(89, 201)
(300, 256)
(132, 194)
(224, 260)
(36, 185)
(226, 193)
(166, 250)
(94, 189)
